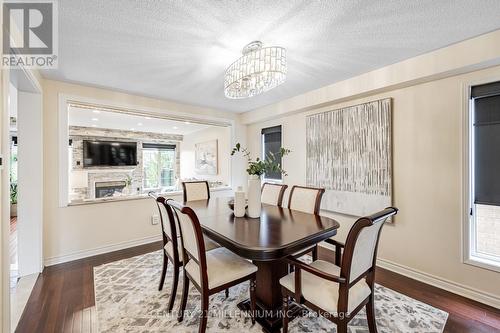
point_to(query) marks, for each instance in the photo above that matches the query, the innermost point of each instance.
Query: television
(109, 153)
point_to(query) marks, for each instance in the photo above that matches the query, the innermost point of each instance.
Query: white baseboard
(100, 250)
(456, 288)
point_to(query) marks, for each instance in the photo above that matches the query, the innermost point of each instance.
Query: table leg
(268, 292)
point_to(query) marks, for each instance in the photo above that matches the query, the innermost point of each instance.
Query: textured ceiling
(178, 50)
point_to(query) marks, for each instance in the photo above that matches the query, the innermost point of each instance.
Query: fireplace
(108, 189)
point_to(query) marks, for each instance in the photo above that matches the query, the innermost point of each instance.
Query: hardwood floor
(63, 297)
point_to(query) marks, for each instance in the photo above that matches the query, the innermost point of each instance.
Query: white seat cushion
(324, 293)
(209, 245)
(223, 266)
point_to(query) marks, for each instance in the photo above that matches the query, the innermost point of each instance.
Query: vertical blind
(271, 138)
(486, 135)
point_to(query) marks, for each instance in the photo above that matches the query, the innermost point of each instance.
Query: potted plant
(13, 199)
(256, 168)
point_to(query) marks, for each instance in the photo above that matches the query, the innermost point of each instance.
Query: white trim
(5, 190)
(100, 250)
(453, 287)
(5, 205)
(63, 137)
(63, 132)
(467, 188)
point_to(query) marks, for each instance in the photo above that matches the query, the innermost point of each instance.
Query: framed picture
(206, 158)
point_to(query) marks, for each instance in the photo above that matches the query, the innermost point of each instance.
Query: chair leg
(227, 292)
(185, 291)
(315, 253)
(342, 327)
(285, 314)
(338, 255)
(253, 285)
(163, 272)
(174, 287)
(370, 314)
(204, 313)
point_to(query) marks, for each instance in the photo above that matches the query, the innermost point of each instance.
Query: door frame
(30, 77)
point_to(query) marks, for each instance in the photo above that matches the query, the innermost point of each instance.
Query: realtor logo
(29, 34)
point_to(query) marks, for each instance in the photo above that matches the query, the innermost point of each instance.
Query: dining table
(278, 233)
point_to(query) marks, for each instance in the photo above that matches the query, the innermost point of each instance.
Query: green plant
(13, 193)
(128, 180)
(260, 166)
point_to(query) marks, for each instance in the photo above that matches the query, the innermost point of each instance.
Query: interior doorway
(22, 180)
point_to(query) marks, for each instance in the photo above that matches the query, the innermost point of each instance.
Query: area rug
(128, 300)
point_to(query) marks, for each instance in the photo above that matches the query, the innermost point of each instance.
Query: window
(159, 166)
(271, 143)
(484, 228)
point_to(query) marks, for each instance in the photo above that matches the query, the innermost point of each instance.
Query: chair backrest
(272, 194)
(191, 237)
(168, 223)
(195, 190)
(360, 252)
(305, 199)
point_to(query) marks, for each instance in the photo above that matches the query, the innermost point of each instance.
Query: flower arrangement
(259, 166)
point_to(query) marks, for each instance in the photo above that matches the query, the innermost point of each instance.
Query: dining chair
(195, 190)
(307, 200)
(212, 271)
(339, 292)
(172, 246)
(272, 194)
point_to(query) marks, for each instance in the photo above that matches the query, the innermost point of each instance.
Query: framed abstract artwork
(349, 153)
(206, 158)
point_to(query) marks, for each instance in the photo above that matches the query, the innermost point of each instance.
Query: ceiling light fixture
(139, 124)
(259, 69)
(96, 111)
(175, 127)
(95, 119)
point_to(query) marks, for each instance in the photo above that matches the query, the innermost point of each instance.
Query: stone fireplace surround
(114, 174)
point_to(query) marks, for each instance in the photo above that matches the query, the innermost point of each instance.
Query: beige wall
(76, 231)
(223, 137)
(427, 134)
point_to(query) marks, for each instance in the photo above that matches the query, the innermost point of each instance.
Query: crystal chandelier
(259, 69)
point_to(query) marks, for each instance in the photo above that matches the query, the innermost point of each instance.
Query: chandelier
(259, 69)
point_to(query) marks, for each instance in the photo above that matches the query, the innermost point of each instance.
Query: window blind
(272, 144)
(486, 134)
(158, 146)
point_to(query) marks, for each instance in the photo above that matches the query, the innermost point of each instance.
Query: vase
(240, 202)
(254, 203)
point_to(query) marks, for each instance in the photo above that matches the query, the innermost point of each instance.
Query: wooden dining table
(278, 233)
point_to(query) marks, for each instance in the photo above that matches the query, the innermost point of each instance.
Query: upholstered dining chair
(172, 246)
(272, 194)
(195, 190)
(339, 293)
(212, 271)
(307, 200)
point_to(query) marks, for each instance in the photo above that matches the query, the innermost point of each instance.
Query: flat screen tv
(109, 153)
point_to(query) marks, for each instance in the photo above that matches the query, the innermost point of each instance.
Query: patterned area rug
(128, 300)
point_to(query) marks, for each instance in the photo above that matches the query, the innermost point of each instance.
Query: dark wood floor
(63, 298)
